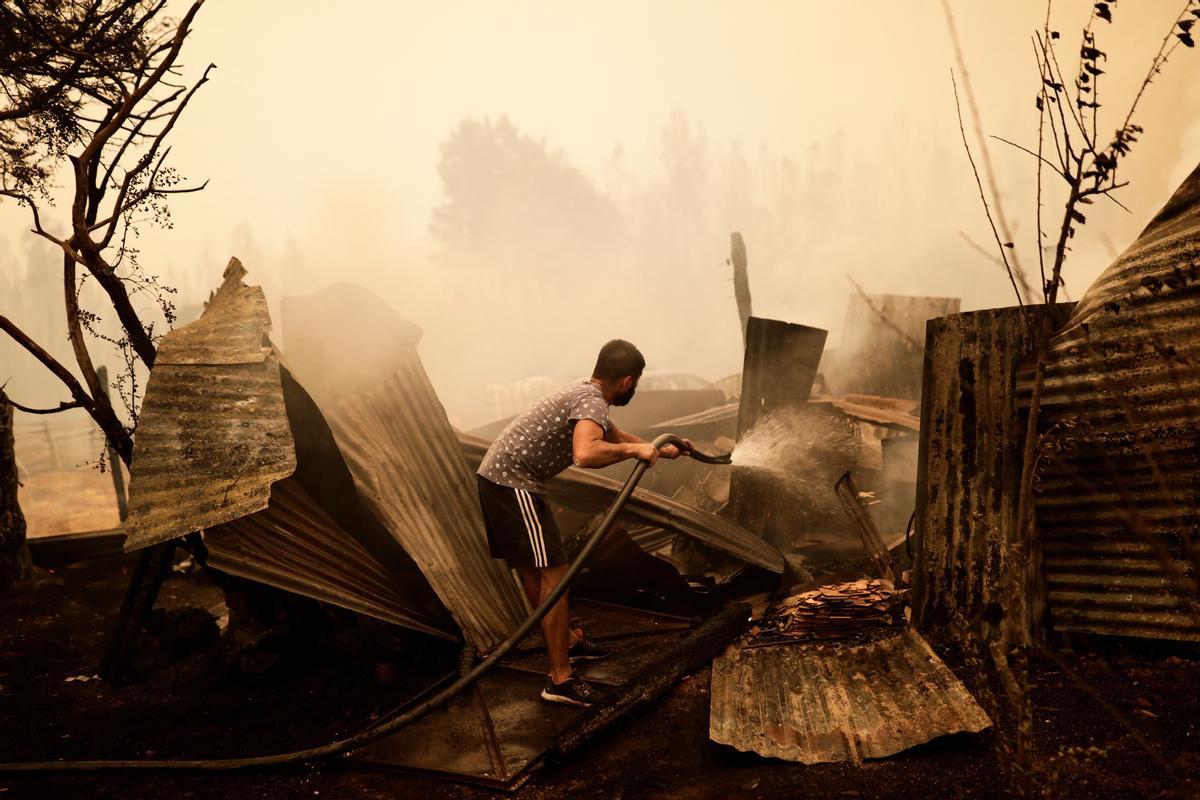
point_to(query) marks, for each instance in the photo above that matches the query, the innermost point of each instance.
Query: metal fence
(55, 442)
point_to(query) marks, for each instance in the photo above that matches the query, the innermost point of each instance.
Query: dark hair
(617, 359)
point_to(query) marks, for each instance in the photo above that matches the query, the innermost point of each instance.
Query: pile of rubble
(834, 611)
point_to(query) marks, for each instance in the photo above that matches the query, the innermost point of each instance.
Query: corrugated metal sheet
(232, 329)
(295, 545)
(825, 702)
(213, 434)
(1118, 491)
(969, 464)
(402, 453)
(590, 492)
(216, 443)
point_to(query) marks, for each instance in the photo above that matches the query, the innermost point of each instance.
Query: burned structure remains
(1116, 474)
(793, 575)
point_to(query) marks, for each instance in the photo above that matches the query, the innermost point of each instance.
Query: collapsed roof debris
(834, 611)
(212, 436)
(379, 514)
(295, 545)
(222, 424)
(393, 432)
(822, 702)
(347, 484)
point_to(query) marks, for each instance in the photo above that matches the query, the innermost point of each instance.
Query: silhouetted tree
(511, 201)
(89, 88)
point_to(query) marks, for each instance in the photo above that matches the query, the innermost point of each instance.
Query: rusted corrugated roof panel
(213, 435)
(591, 492)
(295, 545)
(402, 453)
(1118, 491)
(232, 330)
(825, 702)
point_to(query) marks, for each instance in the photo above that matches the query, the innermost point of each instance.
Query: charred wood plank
(654, 679)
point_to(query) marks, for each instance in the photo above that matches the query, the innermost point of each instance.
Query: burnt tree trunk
(15, 564)
(741, 280)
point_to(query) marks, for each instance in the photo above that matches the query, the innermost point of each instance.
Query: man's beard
(624, 398)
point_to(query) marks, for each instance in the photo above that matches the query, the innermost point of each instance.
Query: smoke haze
(527, 180)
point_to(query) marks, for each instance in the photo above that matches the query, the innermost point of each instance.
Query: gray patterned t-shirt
(536, 446)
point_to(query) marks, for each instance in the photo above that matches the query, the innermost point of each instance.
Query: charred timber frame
(969, 467)
(780, 366)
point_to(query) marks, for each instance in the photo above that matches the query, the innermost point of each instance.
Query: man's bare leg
(538, 582)
(531, 582)
(556, 623)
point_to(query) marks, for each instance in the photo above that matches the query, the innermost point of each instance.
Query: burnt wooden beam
(778, 371)
(653, 680)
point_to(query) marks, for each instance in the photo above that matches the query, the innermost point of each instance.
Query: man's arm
(590, 449)
(616, 435)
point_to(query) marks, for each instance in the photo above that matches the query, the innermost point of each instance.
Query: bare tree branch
(912, 343)
(63, 406)
(984, 153)
(999, 244)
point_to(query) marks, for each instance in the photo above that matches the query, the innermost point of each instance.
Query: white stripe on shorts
(534, 527)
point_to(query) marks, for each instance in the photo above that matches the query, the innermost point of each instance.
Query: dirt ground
(93, 506)
(188, 702)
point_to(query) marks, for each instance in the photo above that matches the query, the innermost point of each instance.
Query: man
(570, 426)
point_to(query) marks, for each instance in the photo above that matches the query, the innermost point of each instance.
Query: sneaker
(573, 691)
(586, 650)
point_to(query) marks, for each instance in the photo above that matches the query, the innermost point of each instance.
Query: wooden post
(147, 578)
(778, 372)
(847, 492)
(50, 445)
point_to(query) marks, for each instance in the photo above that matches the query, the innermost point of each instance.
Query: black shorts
(520, 527)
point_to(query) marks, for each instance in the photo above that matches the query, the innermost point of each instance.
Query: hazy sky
(320, 129)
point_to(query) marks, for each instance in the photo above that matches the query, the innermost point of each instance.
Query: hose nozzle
(670, 438)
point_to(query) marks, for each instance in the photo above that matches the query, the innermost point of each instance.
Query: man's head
(618, 368)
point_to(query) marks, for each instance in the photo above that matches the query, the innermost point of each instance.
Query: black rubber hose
(724, 458)
(343, 746)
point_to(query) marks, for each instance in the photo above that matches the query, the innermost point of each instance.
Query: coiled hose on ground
(343, 746)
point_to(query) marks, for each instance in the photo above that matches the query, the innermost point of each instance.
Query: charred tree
(15, 565)
(741, 280)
